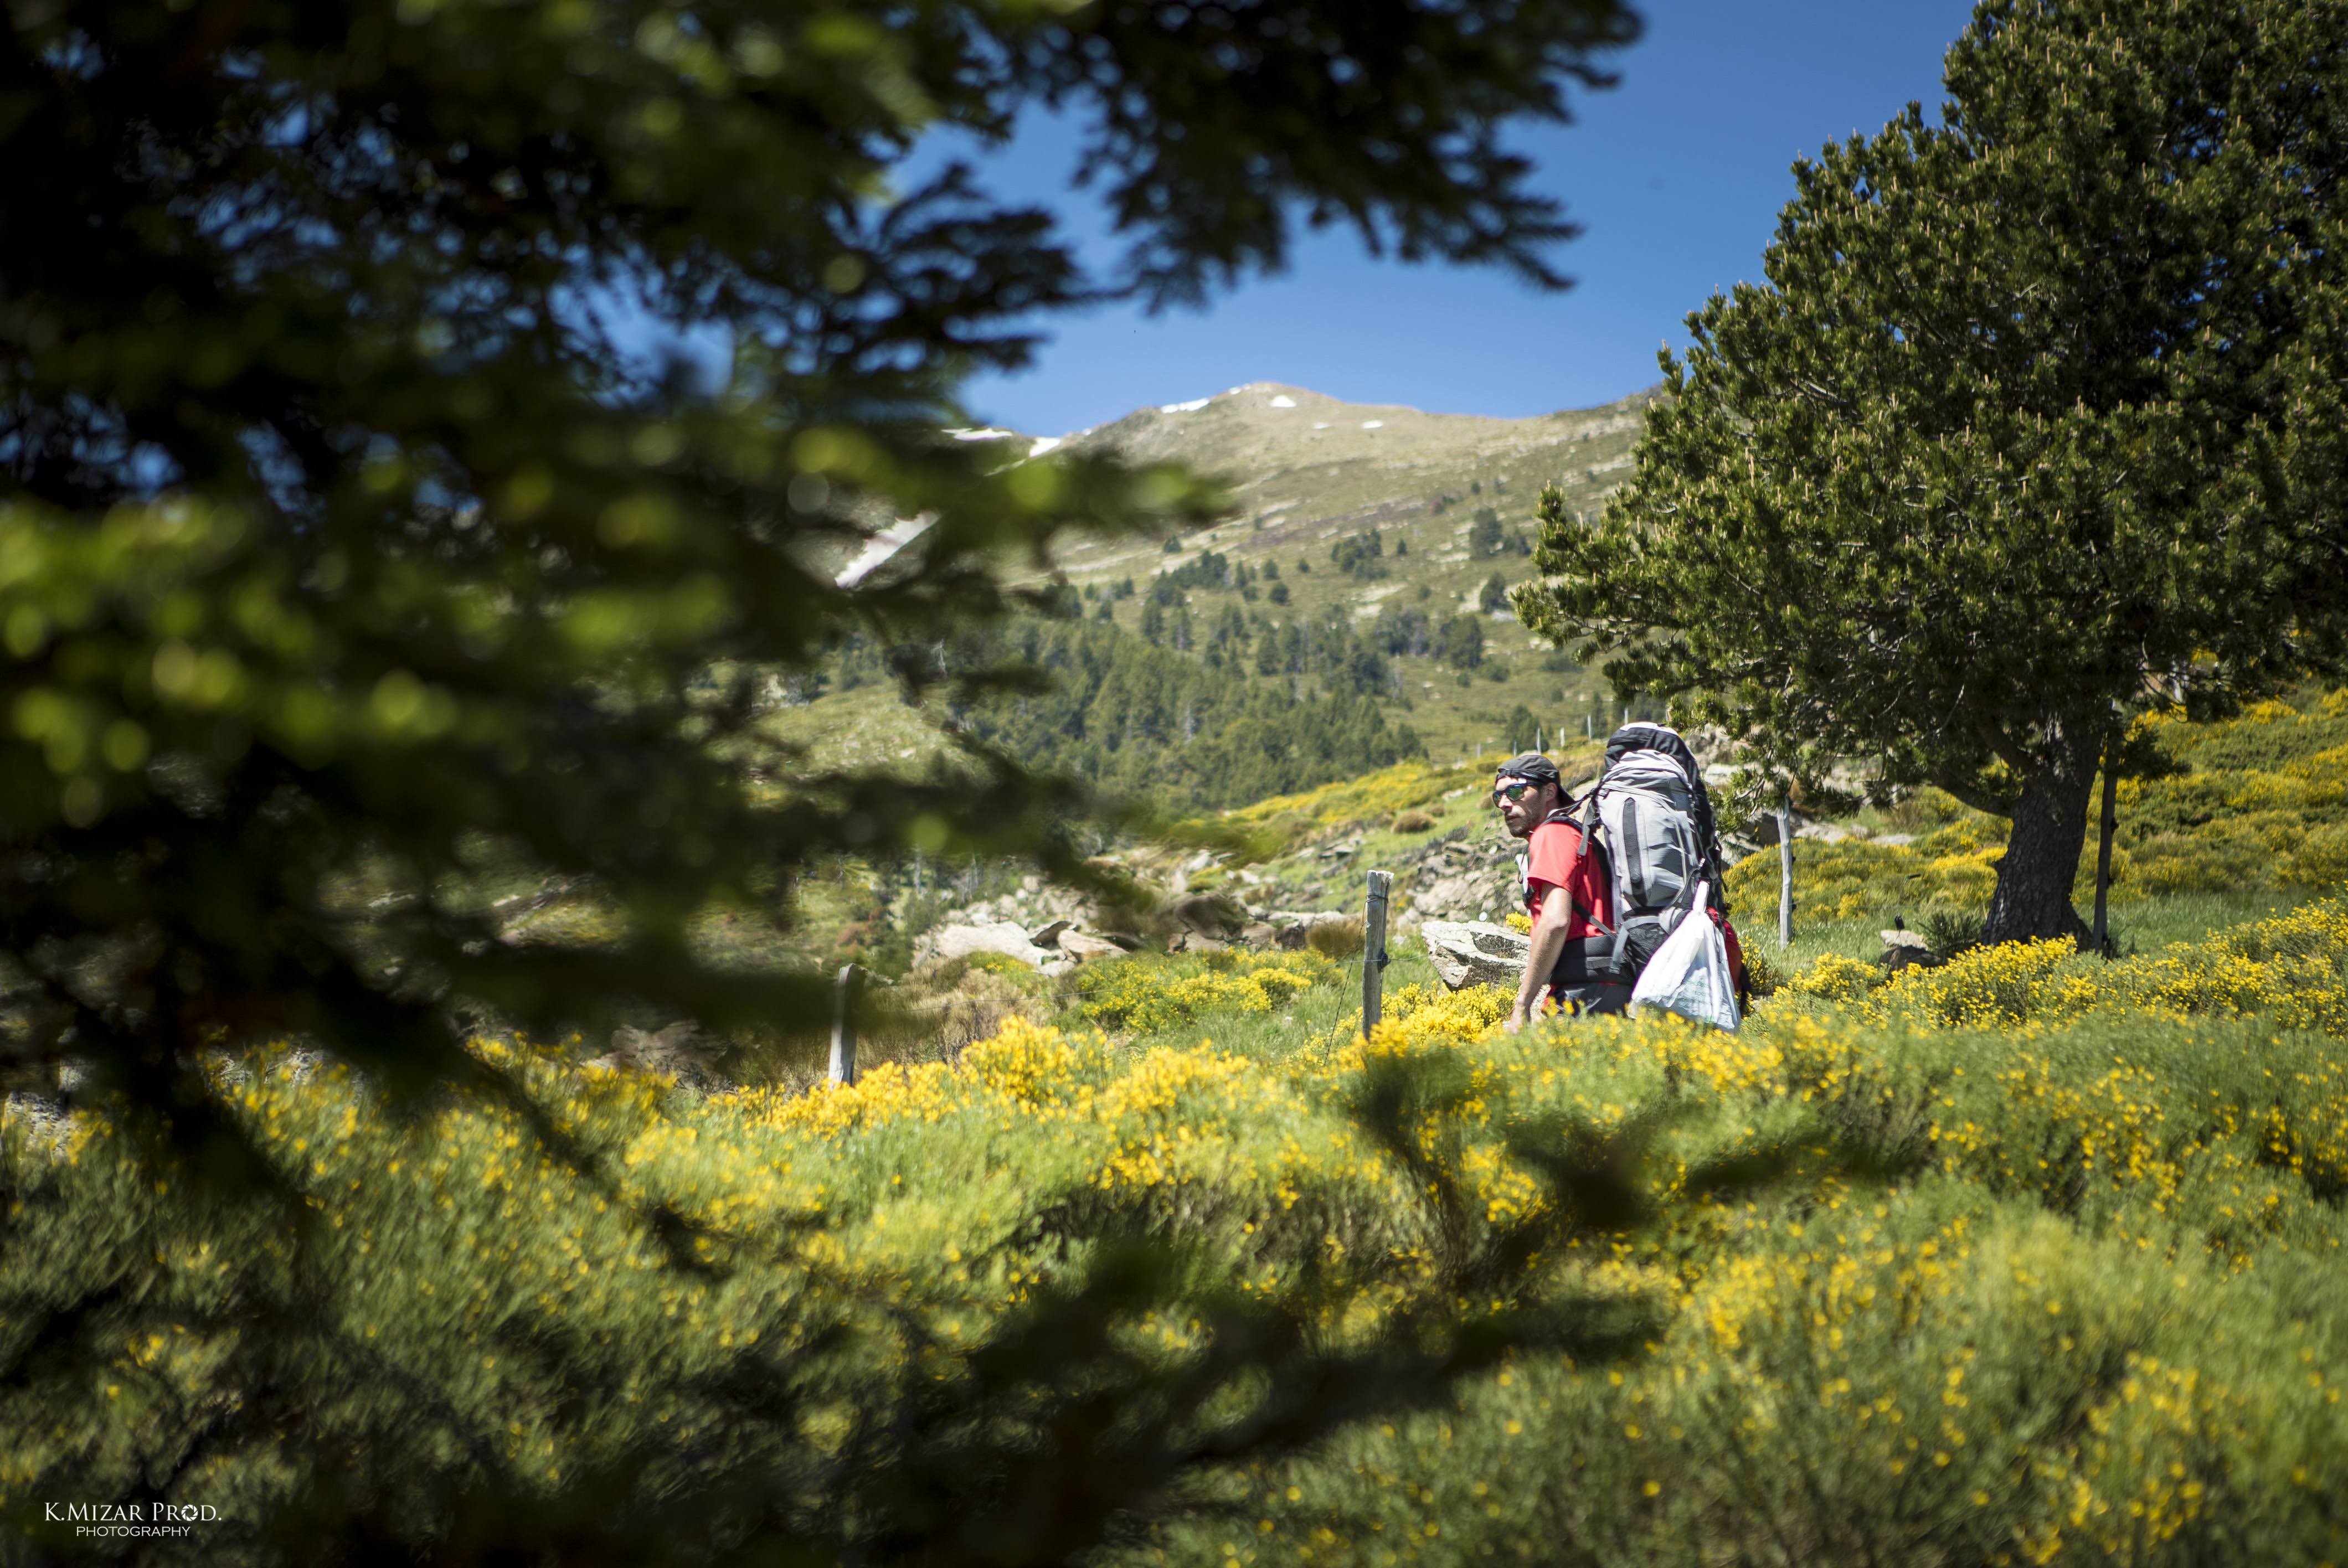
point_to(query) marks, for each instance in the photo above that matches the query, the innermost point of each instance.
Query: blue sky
(1677, 177)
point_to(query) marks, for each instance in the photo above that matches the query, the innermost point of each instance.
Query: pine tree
(1460, 643)
(344, 547)
(2036, 423)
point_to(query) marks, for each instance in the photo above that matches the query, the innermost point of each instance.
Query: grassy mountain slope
(1307, 473)
(1308, 470)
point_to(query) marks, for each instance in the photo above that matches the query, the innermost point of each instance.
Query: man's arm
(1549, 942)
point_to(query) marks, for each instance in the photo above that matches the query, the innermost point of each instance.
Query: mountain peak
(1267, 432)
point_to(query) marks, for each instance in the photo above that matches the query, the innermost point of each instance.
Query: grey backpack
(1652, 817)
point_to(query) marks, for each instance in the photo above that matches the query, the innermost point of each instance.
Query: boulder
(1475, 953)
(961, 941)
(1308, 918)
(1257, 934)
(1209, 913)
(1084, 949)
(1453, 894)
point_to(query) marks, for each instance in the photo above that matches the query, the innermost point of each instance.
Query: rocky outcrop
(1460, 878)
(1209, 915)
(1077, 945)
(961, 941)
(1475, 953)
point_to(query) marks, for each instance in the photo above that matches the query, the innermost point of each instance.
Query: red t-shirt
(1554, 859)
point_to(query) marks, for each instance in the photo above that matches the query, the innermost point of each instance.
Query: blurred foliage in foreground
(374, 551)
(2048, 1267)
(376, 561)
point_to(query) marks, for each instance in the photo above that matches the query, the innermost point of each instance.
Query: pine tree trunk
(2042, 854)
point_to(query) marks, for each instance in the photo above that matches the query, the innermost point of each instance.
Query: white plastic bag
(1689, 973)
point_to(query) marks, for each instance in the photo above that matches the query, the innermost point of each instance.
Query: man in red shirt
(1565, 894)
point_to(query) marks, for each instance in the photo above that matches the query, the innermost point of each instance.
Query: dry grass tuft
(1337, 938)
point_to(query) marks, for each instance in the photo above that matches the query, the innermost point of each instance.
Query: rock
(1084, 949)
(1291, 937)
(1306, 917)
(1475, 953)
(1454, 895)
(1902, 957)
(1899, 937)
(1209, 914)
(961, 941)
(1193, 942)
(1049, 936)
(1257, 934)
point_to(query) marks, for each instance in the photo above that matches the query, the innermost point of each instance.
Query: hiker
(1572, 956)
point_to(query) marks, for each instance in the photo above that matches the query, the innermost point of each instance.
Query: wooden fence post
(1785, 871)
(1373, 951)
(843, 1026)
(2107, 827)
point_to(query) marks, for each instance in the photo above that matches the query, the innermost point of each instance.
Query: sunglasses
(1517, 791)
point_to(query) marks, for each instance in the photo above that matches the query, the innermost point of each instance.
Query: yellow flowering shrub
(1383, 794)
(1834, 978)
(1988, 986)
(1150, 994)
(2292, 968)
(2032, 1258)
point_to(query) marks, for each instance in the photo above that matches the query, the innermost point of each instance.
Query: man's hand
(1514, 1021)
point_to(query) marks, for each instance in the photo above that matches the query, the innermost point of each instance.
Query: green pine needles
(374, 563)
(358, 575)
